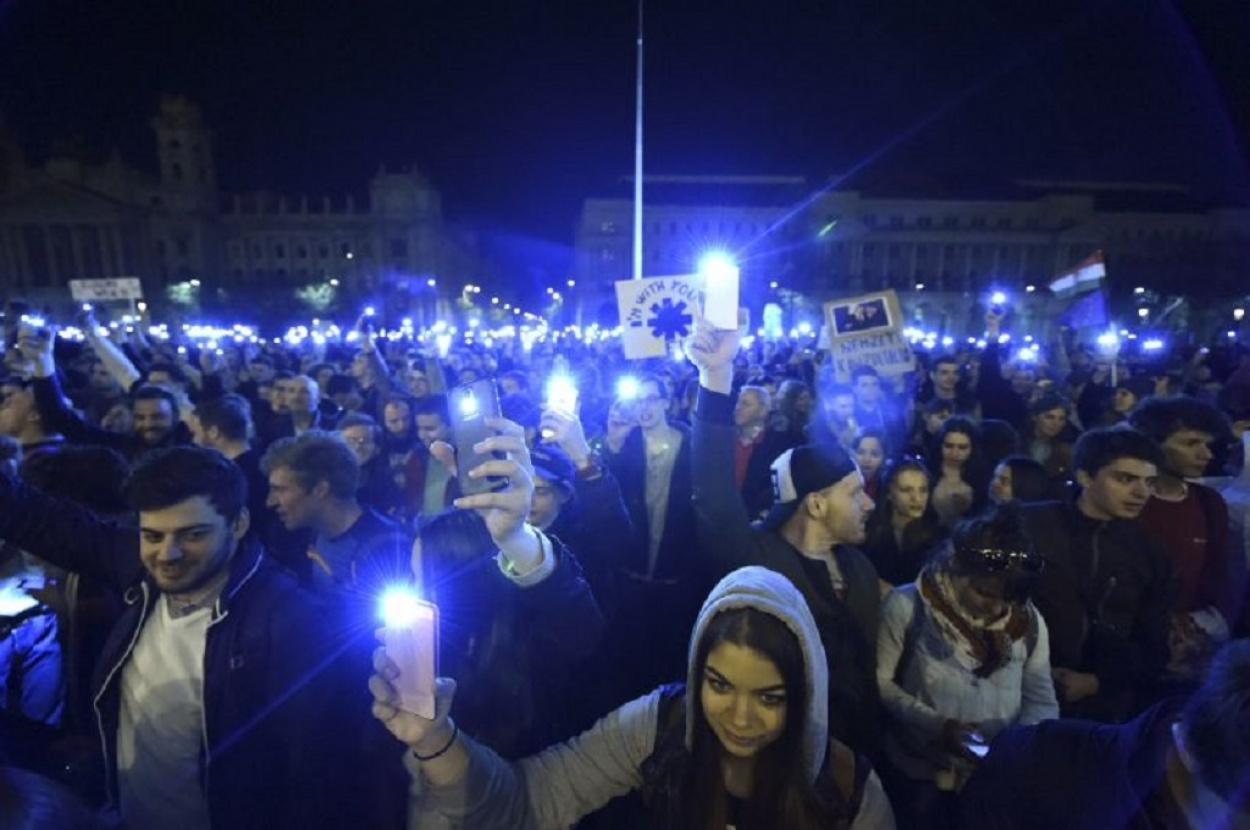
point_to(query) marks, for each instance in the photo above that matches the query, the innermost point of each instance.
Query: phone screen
(976, 748)
(471, 404)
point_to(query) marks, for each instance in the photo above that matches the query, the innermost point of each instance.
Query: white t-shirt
(160, 734)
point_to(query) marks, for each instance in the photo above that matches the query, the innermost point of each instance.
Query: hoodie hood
(771, 593)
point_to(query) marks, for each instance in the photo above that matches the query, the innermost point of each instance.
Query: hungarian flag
(1086, 276)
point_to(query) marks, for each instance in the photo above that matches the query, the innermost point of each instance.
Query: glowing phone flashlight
(468, 406)
(627, 388)
(562, 394)
(410, 637)
(720, 276)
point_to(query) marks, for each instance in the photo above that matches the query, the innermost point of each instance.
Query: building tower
(184, 147)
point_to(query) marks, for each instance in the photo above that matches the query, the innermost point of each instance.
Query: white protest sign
(867, 331)
(657, 312)
(121, 288)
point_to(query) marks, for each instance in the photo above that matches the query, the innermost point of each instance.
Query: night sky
(519, 110)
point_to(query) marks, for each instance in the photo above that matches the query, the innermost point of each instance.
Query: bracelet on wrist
(455, 733)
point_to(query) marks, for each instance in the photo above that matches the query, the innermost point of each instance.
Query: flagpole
(637, 272)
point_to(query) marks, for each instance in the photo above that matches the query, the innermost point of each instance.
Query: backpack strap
(911, 634)
(850, 773)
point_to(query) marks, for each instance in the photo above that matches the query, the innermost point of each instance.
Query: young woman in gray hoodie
(744, 744)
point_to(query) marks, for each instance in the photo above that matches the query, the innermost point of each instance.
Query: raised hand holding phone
(410, 637)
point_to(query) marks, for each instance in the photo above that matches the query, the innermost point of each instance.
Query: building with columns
(953, 243)
(75, 219)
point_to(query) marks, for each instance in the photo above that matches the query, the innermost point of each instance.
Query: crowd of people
(727, 590)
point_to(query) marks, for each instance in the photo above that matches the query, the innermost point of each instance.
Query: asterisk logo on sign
(669, 320)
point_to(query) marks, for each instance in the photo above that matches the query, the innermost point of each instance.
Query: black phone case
(469, 427)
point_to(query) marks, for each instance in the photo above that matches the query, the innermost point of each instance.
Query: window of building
(345, 248)
(1031, 223)
(399, 248)
(869, 220)
(978, 221)
(184, 248)
(175, 170)
(279, 251)
(950, 221)
(870, 250)
(895, 251)
(301, 252)
(924, 221)
(896, 222)
(256, 252)
(1004, 223)
(607, 227)
(323, 252)
(161, 249)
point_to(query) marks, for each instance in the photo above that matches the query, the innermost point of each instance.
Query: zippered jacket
(285, 720)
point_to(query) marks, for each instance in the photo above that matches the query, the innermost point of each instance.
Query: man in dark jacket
(808, 536)
(1171, 767)
(223, 688)
(313, 485)
(666, 579)
(1106, 588)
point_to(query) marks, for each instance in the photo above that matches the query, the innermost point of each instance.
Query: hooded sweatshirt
(560, 785)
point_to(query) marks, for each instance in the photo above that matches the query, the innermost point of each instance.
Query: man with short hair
(1106, 589)
(1191, 521)
(663, 586)
(214, 709)
(756, 448)
(1181, 764)
(376, 487)
(313, 482)
(874, 409)
(429, 485)
(156, 415)
(809, 536)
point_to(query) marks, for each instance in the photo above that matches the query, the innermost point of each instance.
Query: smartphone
(562, 394)
(471, 404)
(411, 640)
(977, 745)
(979, 750)
(720, 303)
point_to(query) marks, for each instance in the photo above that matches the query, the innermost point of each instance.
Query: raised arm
(67, 535)
(470, 785)
(53, 409)
(724, 525)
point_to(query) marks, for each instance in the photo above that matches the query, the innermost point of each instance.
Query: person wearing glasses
(665, 580)
(962, 654)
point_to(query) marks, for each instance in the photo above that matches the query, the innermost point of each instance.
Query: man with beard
(809, 536)
(156, 419)
(226, 696)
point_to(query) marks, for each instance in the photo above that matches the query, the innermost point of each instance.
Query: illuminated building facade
(71, 219)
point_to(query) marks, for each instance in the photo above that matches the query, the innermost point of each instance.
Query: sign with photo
(120, 288)
(657, 312)
(867, 331)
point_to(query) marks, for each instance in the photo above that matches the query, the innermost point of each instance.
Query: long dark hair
(782, 795)
(897, 565)
(973, 471)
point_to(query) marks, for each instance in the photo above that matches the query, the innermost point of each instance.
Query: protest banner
(657, 312)
(120, 288)
(867, 331)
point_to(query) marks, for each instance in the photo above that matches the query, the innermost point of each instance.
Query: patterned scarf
(988, 644)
